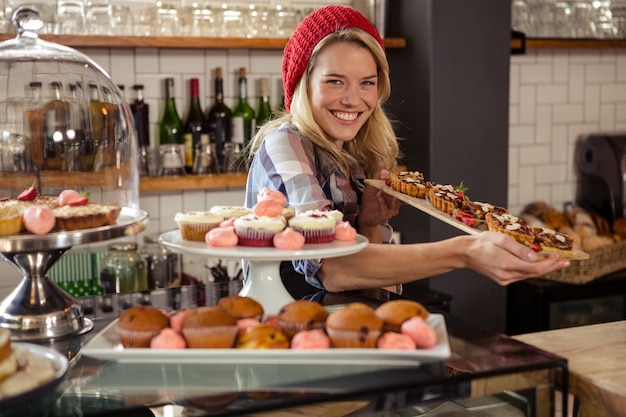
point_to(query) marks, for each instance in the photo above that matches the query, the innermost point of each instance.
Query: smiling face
(343, 90)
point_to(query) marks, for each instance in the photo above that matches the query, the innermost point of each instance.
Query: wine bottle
(264, 112)
(170, 125)
(219, 119)
(141, 116)
(195, 127)
(243, 114)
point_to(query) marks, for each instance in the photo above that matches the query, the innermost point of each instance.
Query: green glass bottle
(243, 114)
(170, 125)
(264, 111)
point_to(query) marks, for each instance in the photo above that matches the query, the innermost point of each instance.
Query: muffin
(194, 225)
(228, 212)
(262, 337)
(258, 231)
(301, 315)
(137, 325)
(395, 312)
(317, 226)
(354, 326)
(241, 307)
(209, 327)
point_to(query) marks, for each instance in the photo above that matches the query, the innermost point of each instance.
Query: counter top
(597, 370)
(483, 364)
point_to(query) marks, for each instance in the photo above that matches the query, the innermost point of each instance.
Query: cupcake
(395, 312)
(317, 226)
(241, 307)
(229, 212)
(258, 231)
(354, 326)
(194, 225)
(301, 315)
(137, 325)
(209, 327)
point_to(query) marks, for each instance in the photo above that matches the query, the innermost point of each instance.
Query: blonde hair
(375, 146)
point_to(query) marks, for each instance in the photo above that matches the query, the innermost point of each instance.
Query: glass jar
(123, 269)
(162, 265)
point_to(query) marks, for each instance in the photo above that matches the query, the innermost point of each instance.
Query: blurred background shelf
(192, 182)
(102, 41)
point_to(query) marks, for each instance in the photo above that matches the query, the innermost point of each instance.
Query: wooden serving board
(425, 206)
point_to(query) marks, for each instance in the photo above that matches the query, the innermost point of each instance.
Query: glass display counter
(486, 371)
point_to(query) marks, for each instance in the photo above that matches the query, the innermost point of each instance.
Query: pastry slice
(553, 241)
(480, 209)
(510, 225)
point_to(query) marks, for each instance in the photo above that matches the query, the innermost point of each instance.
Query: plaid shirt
(309, 179)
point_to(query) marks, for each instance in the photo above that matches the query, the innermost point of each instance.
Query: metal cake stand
(38, 308)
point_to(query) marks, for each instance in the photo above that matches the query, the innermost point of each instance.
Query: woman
(333, 136)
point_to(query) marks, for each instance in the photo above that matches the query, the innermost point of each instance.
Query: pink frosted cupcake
(258, 231)
(194, 225)
(317, 226)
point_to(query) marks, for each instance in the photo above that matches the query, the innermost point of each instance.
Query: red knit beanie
(309, 33)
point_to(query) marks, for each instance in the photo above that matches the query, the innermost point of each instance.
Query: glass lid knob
(27, 21)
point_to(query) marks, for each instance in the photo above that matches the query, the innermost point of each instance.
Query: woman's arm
(491, 254)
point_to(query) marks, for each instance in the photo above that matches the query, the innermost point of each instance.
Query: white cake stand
(263, 282)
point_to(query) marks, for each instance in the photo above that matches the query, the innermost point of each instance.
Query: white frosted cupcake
(258, 231)
(317, 226)
(228, 212)
(194, 225)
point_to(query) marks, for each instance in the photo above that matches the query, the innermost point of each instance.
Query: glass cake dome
(63, 125)
(63, 122)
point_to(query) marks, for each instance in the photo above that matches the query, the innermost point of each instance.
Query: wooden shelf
(78, 41)
(537, 43)
(192, 182)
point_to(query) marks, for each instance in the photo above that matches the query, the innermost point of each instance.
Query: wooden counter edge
(597, 374)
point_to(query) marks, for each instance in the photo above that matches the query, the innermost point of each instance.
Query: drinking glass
(602, 19)
(123, 20)
(71, 17)
(145, 21)
(260, 22)
(167, 20)
(233, 22)
(205, 162)
(583, 19)
(172, 161)
(204, 21)
(522, 17)
(564, 19)
(99, 17)
(619, 18)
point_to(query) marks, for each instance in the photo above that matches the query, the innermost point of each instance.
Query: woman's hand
(377, 207)
(504, 260)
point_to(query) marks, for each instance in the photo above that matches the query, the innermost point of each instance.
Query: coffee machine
(601, 165)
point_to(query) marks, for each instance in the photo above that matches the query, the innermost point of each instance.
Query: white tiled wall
(556, 97)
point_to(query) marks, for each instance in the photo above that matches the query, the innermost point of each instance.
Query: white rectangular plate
(105, 346)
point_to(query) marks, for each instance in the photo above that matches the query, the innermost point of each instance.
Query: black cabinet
(537, 305)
